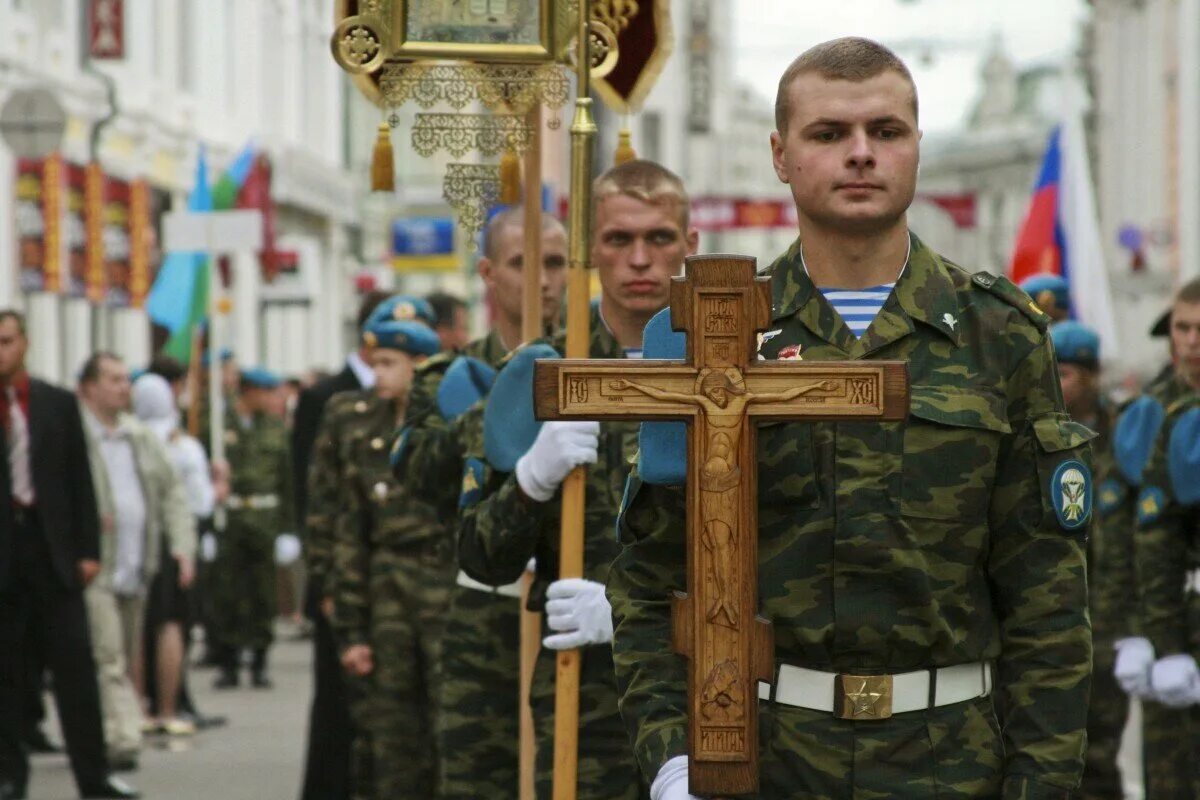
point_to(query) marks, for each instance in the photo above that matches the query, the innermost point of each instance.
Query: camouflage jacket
(890, 547)
(501, 530)
(260, 478)
(431, 461)
(373, 513)
(1112, 572)
(1165, 548)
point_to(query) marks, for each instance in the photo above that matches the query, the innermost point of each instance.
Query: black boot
(258, 670)
(227, 660)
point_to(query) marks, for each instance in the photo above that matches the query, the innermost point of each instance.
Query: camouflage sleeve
(1117, 588)
(287, 497)
(1036, 565)
(350, 569)
(427, 456)
(651, 678)
(323, 472)
(1161, 557)
(498, 531)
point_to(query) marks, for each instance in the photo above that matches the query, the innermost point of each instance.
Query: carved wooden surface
(719, 388)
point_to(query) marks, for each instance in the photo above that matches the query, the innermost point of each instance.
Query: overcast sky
(770, 33)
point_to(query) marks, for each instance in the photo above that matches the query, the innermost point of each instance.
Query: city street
(258, 755)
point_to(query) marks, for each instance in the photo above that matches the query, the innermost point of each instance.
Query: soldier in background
(478, 732)
(392, 560)
(258, 509)
(1052, 295)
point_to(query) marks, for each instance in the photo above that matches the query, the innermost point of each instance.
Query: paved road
(257, 756)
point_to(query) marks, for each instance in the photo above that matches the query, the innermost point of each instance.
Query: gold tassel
(383, 163)
(625, 152)
(510, 178)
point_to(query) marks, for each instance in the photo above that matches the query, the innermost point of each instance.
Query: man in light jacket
(139, 497)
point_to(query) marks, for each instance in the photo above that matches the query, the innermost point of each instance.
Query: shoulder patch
(1134, 436)
(1111, 494)
(1071, 493)
(1183, 457)
(1010, 293)
(472, 483)
(1151, 502)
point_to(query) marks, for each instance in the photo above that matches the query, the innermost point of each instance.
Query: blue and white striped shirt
(858, 307)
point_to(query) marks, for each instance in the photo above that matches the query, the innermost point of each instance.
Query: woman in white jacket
(154, 404)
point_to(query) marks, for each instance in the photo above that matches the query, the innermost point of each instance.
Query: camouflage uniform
(478, 731)
(499, 534)
(1115, 589)
(391, 575)
(1167, 557)
(258, 509)
(893, 547)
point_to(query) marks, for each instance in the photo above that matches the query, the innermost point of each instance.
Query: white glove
(287, 549)
(1135, 657)
(208, 548)
(1175, 681)
(580, 612)
(559, 448)
(671, 782)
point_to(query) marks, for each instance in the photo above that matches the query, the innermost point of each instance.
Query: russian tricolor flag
(1061, 232)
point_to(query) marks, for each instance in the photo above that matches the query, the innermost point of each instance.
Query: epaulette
(1010, 293)
(436, 363)
(1183, 403)
(1134, 435)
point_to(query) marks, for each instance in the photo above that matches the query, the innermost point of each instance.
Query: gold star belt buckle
(863, 697)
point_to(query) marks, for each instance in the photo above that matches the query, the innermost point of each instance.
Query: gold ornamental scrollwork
(471, 189)
(499, 87)
(459, 134)
(358, 45)
(614, 14)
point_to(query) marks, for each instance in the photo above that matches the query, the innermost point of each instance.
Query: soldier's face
(637, 248)
(503, 274)
(1185, 341)
(1078, 387)
(13, 345)
(850, 152)
(393, 372)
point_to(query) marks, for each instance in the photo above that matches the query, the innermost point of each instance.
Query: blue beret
(412, 336)
(402, 308)
(1134, 435)
(466, 382)
(1183, 457)
(261, 378)
(662, 446)
(1076, 343)
(225, 355)
(1048, 291)
(509, 426)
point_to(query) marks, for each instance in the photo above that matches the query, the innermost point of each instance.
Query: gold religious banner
(471, 189)
(720, 389)
(639, 36)
(459, 134)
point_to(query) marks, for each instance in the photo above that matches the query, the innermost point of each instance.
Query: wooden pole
(531, 328)
(193, 384)
(583, 133)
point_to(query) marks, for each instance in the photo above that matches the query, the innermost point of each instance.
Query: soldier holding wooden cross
(922, 573)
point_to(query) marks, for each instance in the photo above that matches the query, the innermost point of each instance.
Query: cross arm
(612, 389)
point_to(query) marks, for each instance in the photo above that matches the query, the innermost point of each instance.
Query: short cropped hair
(444, 305)
(169, 369)
(90, 371)
(16, 316)
(851, 58)
(1189, 292)
(513, 216)
(367, 305)
(648, 181)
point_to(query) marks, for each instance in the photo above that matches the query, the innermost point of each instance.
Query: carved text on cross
(719, 389)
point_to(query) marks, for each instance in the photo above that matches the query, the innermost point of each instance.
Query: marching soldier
(258, 509)
(942, 556)
(640, 238)
(392, 560)
(478, 732)
(1167, 553)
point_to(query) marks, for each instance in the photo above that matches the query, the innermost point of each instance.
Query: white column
(44, 326)
(247, 308)
(8, 233)
(77, 335)
(129, 333)
(274, 333)
(1188, 86)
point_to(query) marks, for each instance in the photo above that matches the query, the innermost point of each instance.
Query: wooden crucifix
(719, 389)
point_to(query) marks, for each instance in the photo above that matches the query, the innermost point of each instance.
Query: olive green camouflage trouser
(608, 769)
(243, 598)
(1107, 713)
(478, 728)
(1170, 752)
(409, 592)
